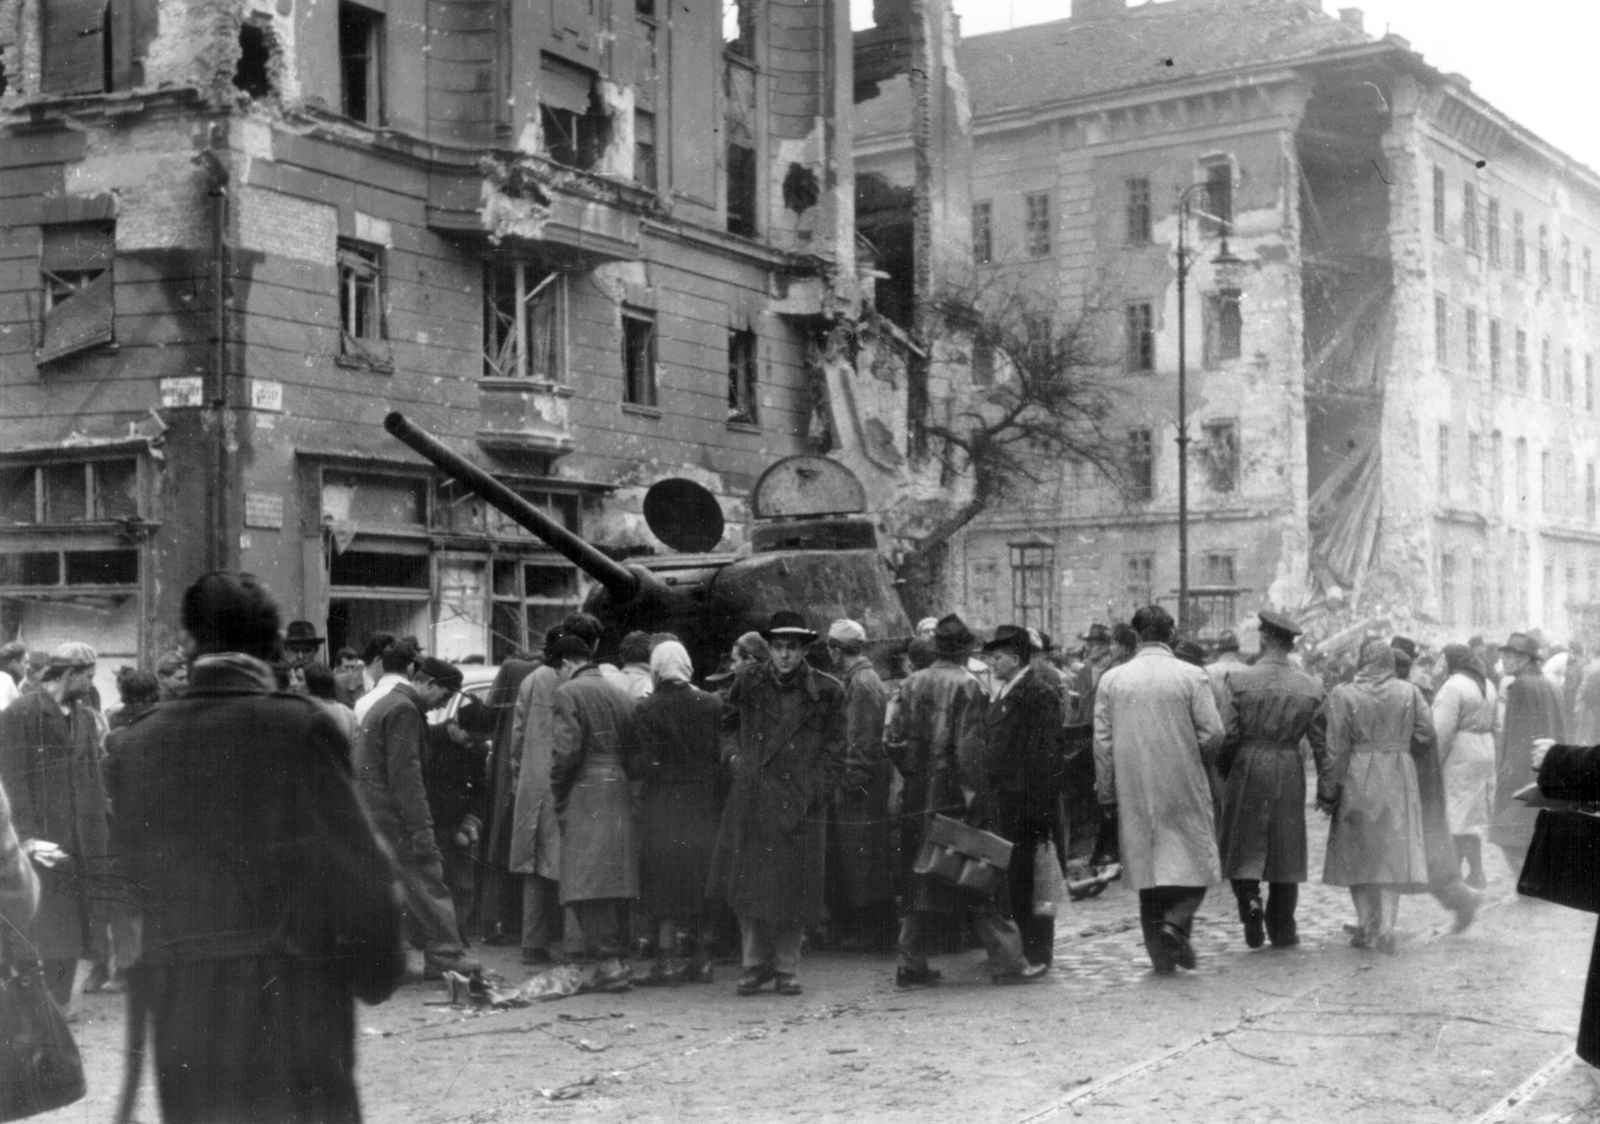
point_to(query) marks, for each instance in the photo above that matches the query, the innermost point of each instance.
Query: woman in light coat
(1464, 713)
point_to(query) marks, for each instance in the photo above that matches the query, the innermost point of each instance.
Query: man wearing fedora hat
(1263, 827)
(1533, 710)
(786, 722)
(935, 739)
(301, 644)
(1155, 717)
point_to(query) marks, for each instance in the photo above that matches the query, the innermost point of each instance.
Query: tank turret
(811, 550)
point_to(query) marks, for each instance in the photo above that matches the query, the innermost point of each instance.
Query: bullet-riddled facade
(588, 244)
(1360, 438)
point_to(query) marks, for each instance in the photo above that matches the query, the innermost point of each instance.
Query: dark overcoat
(862, 840)
(50, 763)
(679, 758)
(594, 735)
(501, 772)
(935, 739)
(1533, 710)
(788, 757)
(269, 904)
(1573, 773)
(1263, 823)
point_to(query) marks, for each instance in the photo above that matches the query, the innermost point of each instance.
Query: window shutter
(77, 247)
(73, 60)
(564, 86)
(82, 321)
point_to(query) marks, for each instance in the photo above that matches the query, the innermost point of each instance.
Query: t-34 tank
(810, 551)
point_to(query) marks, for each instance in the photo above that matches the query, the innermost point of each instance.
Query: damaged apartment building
(1391, 324)
(587, 243)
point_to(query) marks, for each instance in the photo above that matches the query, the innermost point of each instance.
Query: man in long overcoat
(860, 869)
(50, 762)
(1533, 710)
(1022, 775)
(269, 904)
(1154, 718)
(1572, 772)
(500, 903)
(388, 760)
(593, 735)
(936, 740)
(1263, 828)
(786, 723)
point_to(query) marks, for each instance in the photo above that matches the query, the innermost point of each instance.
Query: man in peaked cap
(1263, 828)
(860, 875)
(787, 727)
(1533, 710)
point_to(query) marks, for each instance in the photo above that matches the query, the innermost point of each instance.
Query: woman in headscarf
(1463, 718)
(679, 729)
(1378, 727)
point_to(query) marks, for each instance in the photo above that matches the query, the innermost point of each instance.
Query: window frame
(1438, 201)
(1492, 232)
(372, 31)
(1139, 344)
(77, 304)
(1223, 337)
(742, 197)
(1137, 226)
(361, 268)
(1220, 444)
(532, 299)
(983, 232)
(1037, 224)
(1141, 454)
(640, 389)
(1033, 566)
(744, 360)
(1469, 217)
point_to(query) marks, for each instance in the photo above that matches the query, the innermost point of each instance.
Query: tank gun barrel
(621, 582)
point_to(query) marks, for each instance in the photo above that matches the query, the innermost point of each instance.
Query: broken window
(1140, 344)
(361, 326)
(1221, 448)
(1032, 580)
(1444, 463)
(1469, 217)
(1492, 232)
(574, 135)
(1218, 216)
(639, 357)
(1036, 224)
(983, 232)
(1138, 210)
(741, 190)
(370, 499)
(253, 73)
(1519, 243)
(1438, 200)
(530, 598)
(1141, 465)
(1472, 340)
(70, 492)
(1138, 580)
(1522, 361)
(645, 8)
(74, 46)
(644, 148)
(738, 27)
(75, 267)
(742, 376)
(1224, 324)
(522, 325)
(1447, 588)
(1494, 352)
(361, 63)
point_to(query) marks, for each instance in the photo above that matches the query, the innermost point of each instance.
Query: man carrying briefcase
(935, 740)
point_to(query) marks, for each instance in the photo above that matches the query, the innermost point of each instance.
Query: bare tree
(1042, 396)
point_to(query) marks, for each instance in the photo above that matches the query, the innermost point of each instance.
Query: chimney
(1351, 18)
(1089, 10)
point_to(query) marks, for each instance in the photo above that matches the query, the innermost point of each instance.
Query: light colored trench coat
(1154, 717)
(535, 834)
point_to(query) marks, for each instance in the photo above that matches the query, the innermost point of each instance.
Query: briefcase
(1563, 863)
(963, 856)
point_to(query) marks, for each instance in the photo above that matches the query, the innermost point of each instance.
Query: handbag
(963, 856)
(40, 1068)
(1563, 863)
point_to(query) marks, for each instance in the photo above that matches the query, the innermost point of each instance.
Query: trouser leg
(786, 941)
(1282, 898)
(1038, 933)
(430, 916)
(1387, 902)
(1246, 891)
(1151, 910)
(541, 914)
(1003, 941)
(604, 933)
(460, 877)
(913, 944)
(755, 943)
(1180, 906)
(1361, 898)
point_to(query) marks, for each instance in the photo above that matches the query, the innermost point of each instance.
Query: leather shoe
(787, 984)
(1026, 974)
(1177, 946)
(752, 979)
(917, 977)
(434, 967)
(1254, 914)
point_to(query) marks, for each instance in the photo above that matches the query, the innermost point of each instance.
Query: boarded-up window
(75, 270)
(522, 321)
(73, 57)
(370, 499)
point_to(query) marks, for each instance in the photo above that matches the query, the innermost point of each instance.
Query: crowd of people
(260, 823)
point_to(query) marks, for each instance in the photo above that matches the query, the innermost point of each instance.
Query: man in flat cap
(1263, 828)
(786, 727)
(1155, 717)
(388, 767)
(860, 874)
(1533, 710)
(51, 751)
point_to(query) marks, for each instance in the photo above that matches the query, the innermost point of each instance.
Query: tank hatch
(806, 487)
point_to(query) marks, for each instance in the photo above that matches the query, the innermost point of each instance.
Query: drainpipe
(221, 550)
